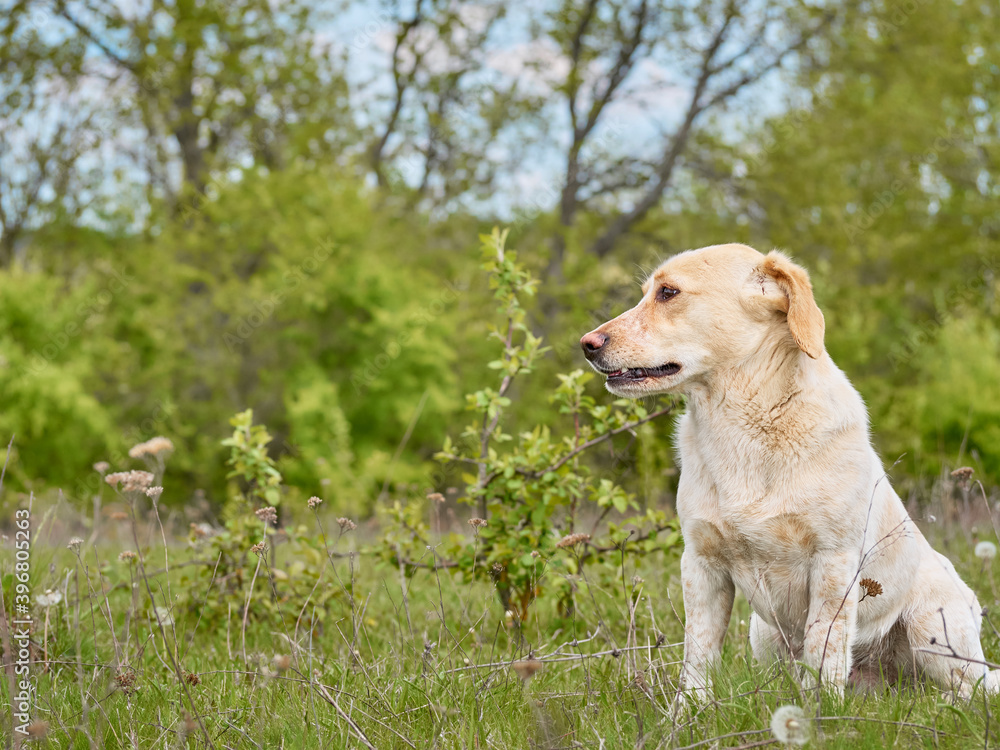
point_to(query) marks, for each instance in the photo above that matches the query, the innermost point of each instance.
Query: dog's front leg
(708, 603)
(831, 624)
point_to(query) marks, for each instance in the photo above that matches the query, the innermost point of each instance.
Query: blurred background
(209, 206)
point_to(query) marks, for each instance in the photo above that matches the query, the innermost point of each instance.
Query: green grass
(428, 668)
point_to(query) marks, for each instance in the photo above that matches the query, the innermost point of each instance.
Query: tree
(446, 107)
(188, 89)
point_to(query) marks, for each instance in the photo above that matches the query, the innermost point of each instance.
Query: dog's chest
(768, 559)
(782, 540)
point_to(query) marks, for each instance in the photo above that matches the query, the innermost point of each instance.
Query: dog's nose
(592, 343)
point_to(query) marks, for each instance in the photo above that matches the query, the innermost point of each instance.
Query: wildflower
(788, 723)
(131, 481)
(127, 556)
(436, 497)
(126, 679)
(477, 523)
(637, 580)
(152, 447)
(101, 467)
(192, 678)
(526, 668)
(259, 549)
(962, 476)
(268, 514)
(74, 544)
(986, 550)
(535, 554)
(872, 588)
(154, 492)
(49, 598)
(346, 524)
(571, 540)
(314, 502)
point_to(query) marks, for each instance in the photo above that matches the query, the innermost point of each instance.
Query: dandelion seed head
(986, 550)
(49, 598)
(788, 724)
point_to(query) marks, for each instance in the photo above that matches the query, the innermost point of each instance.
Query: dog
(781, 493)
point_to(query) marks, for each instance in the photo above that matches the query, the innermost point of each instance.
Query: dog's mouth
(632, 374)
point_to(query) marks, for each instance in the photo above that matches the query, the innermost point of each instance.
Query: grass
(366, 658)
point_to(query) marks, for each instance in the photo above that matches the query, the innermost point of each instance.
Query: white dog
(780, 490)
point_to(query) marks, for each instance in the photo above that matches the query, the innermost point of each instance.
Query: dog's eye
(666, 293)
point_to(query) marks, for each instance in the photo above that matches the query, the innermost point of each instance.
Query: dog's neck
(758, 391)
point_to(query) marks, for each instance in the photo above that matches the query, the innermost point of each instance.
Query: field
(155, 649)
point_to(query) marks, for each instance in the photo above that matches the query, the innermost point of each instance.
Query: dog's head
(702, 311)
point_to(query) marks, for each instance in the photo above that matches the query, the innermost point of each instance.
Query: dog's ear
(805, 320)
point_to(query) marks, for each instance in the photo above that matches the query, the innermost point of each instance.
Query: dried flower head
(101, 467)
(789, 725)
(127, 680)
(268, 514)
(477, 523)
(259, 549)
(535, 554)
(346, 524)
(871, 587)
(38, 729)
(963, 476)
(986, 550)
(202, 530)
(314, 502)
(75, 543)
(154, 492)
(571, 540)
(436, 497)
(49, 598)
(152, 447)
(526, 668)
(192, 679)
(281, 662)
(131, 481)
(126, 556)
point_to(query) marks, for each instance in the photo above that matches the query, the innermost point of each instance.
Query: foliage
(533, 492)
(231, 559)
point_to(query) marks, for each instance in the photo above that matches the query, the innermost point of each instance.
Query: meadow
(299, 467)
(144, 636)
